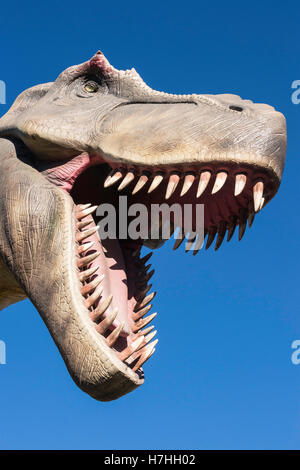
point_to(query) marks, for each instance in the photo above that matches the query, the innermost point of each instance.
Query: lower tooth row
(92, 291)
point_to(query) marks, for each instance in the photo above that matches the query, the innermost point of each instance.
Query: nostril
(236, 108)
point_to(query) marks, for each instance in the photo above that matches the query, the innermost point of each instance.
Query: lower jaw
(122, 352)
(109, 362)
(55, 292)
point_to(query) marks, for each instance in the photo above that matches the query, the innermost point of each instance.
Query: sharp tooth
(112, 178)
(84, 275)
(84, 223)
(258, 190)
(188, 181)
(91, 286)
(221, 234)
(81, 207)
(251, 217)
(145, 301)
(172, 184)
(146, 257)
(178, 242)
(143, 322)
(199, 245)
(80, 236)
(127, 180)
(143, 347)
(109, 176)
(147, 340)
(89, 302)
(145, 331)
(242, 228)
(240, 182)
(107, 322)
(203, 182)
(262, 203)
(85, 212)
(143, 270)
(114, 335)
(148, 351)
(85, 247)
(156, 182)
(101, 308)
(149, 337)
(90, 210)
(143, 359)
(190, 243)
(231, 228)
(210, 237)
(242, 223)
(146, 278)
(139, 314)
(141, 182)
(82, 262)
(126, 353)
(139, 297)
(147, 267)
(219, 182)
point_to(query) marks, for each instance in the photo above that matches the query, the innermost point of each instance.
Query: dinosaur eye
(91, 87)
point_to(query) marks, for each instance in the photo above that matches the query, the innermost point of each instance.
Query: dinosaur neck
(10, 161)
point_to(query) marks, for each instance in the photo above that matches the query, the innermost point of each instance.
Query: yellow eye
(91, 87)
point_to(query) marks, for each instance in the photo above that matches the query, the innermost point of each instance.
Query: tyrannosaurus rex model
(96, 132)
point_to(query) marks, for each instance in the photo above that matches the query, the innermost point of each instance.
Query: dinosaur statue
(94, 133)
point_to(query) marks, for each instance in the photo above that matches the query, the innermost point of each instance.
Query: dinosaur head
(97, 132)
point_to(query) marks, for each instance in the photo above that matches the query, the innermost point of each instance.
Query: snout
(205, 129)
(261, 130)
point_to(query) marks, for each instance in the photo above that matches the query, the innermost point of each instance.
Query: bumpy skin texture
(123, 122)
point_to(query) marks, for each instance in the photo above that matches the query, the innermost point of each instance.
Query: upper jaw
(173, 136)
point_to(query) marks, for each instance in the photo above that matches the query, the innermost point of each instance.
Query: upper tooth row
(174, 178)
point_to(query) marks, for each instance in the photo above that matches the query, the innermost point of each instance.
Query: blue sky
(222, 376)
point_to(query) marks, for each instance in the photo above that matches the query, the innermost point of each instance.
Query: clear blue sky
(226, 379)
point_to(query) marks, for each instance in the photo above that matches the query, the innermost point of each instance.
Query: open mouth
(93, 136)
(114, 278)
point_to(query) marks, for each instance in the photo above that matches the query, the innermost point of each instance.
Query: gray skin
(91, 120)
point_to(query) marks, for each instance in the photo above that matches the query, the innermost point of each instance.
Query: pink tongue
(111, 264)
(115, 280)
